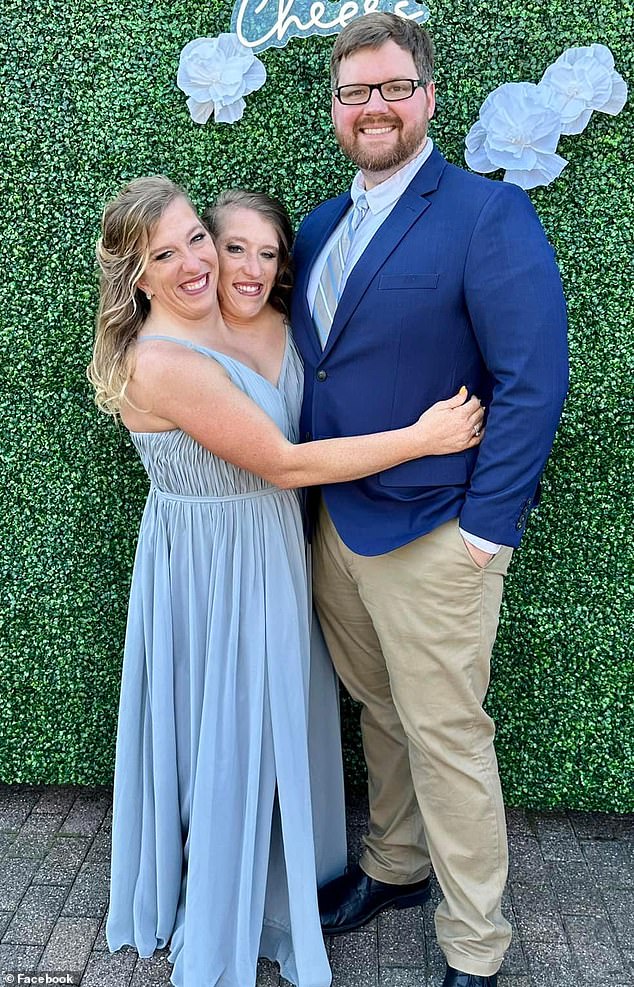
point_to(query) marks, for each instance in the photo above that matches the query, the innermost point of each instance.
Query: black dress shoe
(454, 978)
(354, 898)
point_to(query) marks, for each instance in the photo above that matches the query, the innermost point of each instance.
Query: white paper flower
(580, 81)
(519, 132)
(216, 73)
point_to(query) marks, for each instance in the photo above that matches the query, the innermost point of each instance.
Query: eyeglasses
(391, 92)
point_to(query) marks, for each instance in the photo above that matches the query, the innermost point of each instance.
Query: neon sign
(261, 24)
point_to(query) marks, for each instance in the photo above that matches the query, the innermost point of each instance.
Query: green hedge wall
(90, 102)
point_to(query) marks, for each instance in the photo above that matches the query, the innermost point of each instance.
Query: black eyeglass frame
(371, 86)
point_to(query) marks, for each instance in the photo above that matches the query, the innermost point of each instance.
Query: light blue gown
(228, 718)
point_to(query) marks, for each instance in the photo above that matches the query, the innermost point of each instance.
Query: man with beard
(419, 280)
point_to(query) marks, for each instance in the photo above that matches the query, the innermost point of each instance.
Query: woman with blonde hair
(212, 829)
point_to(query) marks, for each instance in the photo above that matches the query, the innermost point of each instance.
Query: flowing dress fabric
(213, 847)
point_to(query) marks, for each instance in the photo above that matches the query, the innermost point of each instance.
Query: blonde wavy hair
(123, 251)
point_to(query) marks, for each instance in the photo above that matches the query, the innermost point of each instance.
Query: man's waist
(372, 521)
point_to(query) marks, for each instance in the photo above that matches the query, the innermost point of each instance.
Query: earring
(148, 295)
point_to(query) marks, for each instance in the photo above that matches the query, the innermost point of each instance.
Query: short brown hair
(373, 30)
(275, 212)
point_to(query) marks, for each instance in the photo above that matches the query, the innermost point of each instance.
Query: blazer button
(321, 375)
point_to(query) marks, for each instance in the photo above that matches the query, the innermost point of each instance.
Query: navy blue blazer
(458, 286)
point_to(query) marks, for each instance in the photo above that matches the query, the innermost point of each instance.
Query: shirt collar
(386, 193)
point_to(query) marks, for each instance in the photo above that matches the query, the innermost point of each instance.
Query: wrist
(492, 548)
(420, 443)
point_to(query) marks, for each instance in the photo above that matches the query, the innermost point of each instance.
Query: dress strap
(181, 342)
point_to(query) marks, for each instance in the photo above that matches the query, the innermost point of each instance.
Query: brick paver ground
(570, 899)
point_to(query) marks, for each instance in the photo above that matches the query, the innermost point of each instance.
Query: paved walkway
(570, 899)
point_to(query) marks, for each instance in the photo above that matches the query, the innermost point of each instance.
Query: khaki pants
(410, 633)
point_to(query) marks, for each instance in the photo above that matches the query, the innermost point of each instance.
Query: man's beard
(383, 159)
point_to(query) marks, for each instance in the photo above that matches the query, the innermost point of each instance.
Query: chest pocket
(399, 282)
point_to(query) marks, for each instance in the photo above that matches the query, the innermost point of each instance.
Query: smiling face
(379, 136)
(248, 260)
(182, 270)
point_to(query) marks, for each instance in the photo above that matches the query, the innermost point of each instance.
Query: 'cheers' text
(262, 24)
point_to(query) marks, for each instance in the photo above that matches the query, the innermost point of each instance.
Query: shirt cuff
(481, 543)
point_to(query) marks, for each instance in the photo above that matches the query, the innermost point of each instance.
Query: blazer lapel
(411, 205)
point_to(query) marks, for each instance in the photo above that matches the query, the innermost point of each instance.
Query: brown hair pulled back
(275, 212)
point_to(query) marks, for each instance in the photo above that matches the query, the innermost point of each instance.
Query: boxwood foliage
(91, 102)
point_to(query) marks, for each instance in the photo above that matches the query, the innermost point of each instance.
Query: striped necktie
(329, 288)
